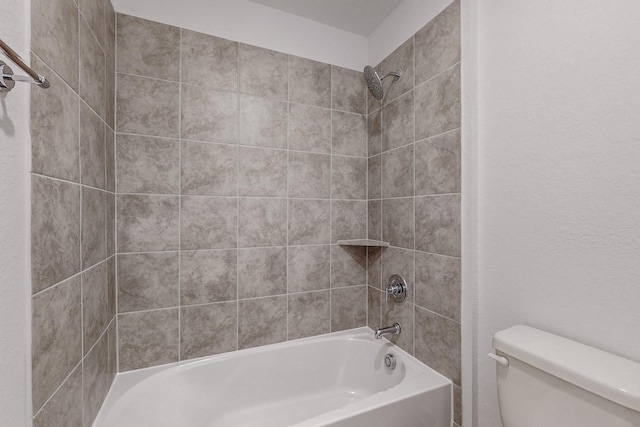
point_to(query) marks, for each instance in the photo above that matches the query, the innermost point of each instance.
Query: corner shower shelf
(363, 242)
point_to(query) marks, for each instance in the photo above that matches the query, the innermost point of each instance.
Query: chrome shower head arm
(396, 74)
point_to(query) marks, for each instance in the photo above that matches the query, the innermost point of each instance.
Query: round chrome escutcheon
(397, 288)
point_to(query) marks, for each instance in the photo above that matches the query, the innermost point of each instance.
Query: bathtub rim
(124, 381)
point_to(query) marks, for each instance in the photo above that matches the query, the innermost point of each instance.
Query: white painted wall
(400, 25)
(259, 25)
(469, 219)
(256, 24)
(15, 289)
(558, 176)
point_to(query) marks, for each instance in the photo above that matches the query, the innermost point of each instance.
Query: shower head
(374, 80)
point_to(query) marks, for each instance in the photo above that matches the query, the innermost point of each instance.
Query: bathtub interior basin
(327, 380)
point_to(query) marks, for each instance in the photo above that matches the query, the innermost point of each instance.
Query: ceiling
(356, 16)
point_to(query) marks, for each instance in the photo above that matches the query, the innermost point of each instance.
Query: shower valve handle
(397, 288)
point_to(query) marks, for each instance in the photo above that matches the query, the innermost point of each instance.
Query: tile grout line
(366, 218)
(382, 138)
(62, 383)
(240, 93)
(240, 144)
(76, 366)
(418, 196)
(80, 225)
(180, 44)
(173, 307)
(66, 181)
(387, 102)
(368, 250)
(287, 192)
(222, 249)
(237, 176)
(438, 314)
(91, 30)
(106, 186)
(105, 192)
(366, 185)
(331, 248)
(115, 189)
(286, 330)
(415, 113)
(167, 195)
(66, 279)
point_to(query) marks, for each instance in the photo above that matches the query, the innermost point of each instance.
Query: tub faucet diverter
(394, 329)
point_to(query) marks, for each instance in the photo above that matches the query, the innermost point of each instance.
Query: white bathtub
(337, 379)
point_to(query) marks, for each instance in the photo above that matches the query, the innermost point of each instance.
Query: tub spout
(394, 329)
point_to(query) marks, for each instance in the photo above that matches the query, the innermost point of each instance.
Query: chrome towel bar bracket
(8, 79)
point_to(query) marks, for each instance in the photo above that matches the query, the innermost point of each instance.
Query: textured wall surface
(238, 168)
(72, 210)
(15, 314)
(414, 195)
(558, 200)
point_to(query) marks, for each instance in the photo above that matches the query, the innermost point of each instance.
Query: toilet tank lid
(604, 374)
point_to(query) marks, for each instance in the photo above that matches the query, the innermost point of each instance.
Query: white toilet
(548, 381)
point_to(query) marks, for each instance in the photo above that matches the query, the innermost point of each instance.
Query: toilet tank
(549, 381)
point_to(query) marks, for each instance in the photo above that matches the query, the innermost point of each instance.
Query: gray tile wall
(238, 168)
(414, 195)
(72, 211)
